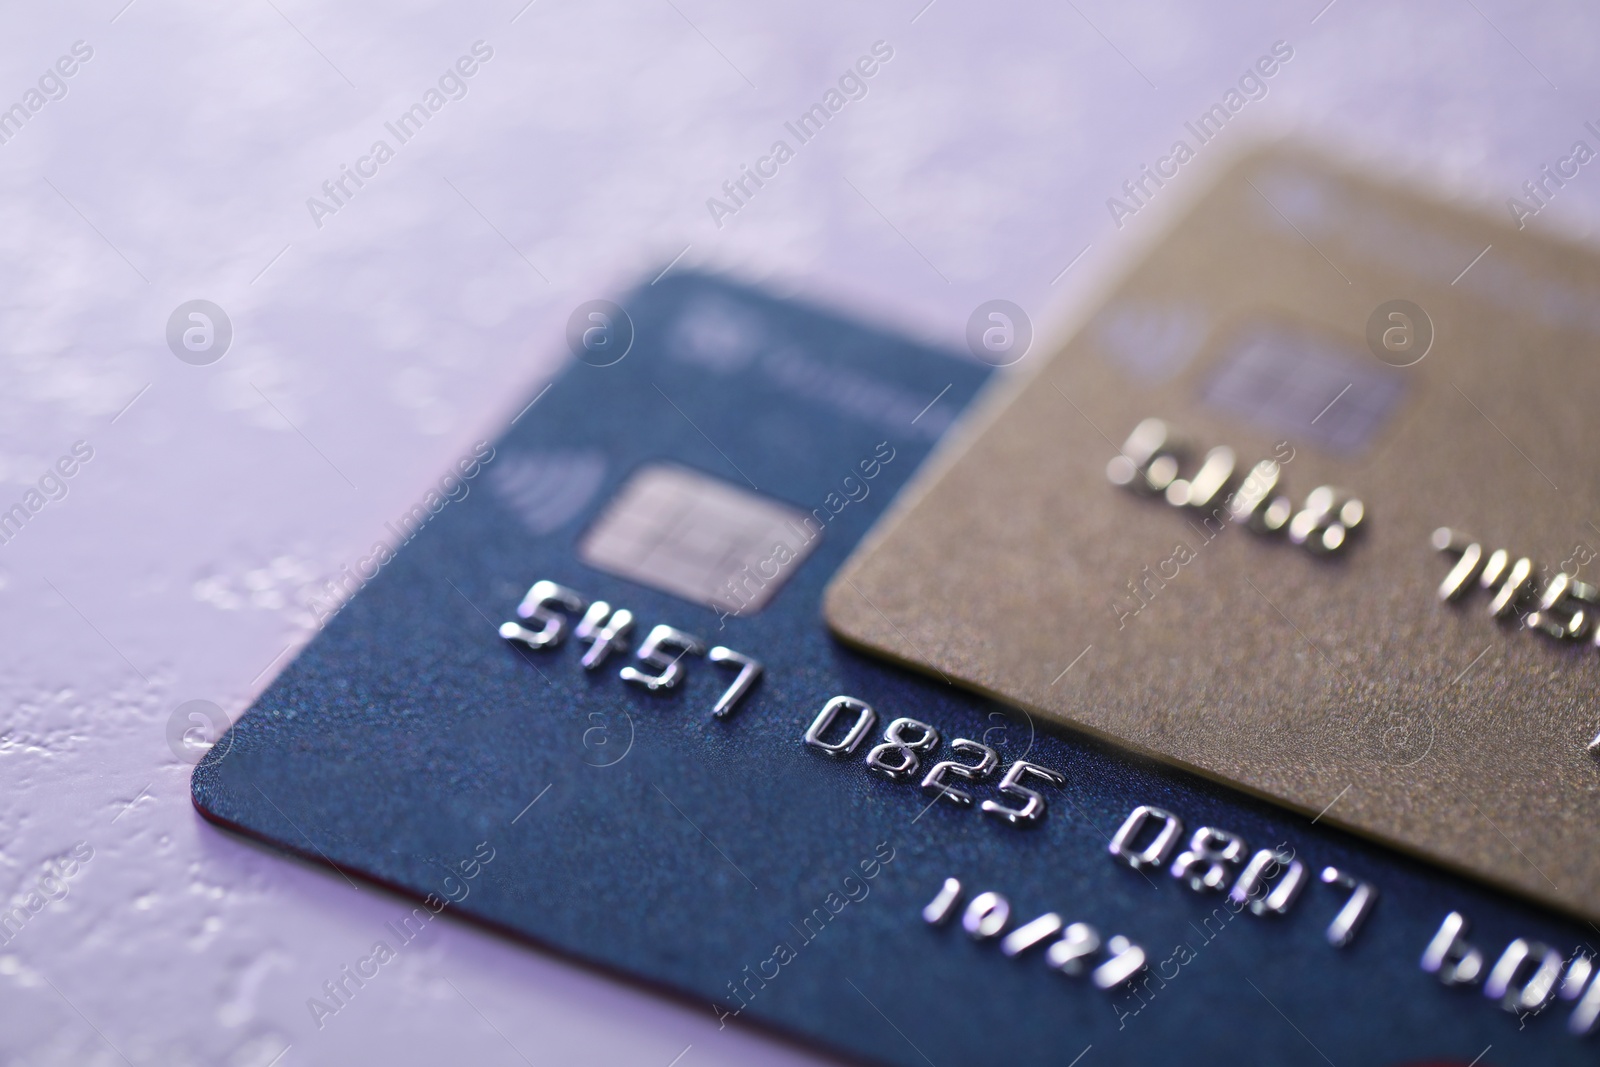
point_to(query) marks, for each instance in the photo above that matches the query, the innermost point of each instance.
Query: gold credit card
(1308, 505)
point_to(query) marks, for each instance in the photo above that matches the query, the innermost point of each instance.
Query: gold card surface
(1308, 506)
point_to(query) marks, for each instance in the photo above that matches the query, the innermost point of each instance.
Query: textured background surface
(375, 349)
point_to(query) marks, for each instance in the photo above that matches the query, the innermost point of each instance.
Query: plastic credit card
(592, 703)
(1348, 563)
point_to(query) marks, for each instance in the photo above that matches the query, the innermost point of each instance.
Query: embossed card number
(1526, 979)
(907, 743)
(657, 664)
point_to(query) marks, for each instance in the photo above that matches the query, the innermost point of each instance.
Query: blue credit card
(590, 701)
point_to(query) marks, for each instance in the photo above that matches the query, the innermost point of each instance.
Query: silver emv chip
(698, 537)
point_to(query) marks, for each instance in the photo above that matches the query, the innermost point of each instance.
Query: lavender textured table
(381, 327)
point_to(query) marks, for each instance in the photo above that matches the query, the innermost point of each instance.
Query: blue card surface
(591, 702)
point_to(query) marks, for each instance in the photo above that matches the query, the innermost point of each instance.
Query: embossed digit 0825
(899, 757)
(988, 760)
(907, 743)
